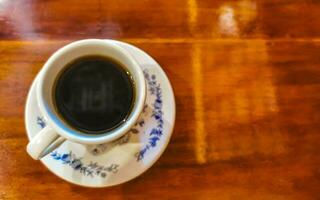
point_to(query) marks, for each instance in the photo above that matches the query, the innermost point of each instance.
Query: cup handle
(43, 143)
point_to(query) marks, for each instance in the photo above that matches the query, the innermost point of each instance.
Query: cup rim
(72, 134)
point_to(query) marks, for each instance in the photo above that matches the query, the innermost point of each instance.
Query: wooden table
(246, 76)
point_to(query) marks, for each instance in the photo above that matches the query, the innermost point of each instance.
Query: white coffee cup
(57, 130)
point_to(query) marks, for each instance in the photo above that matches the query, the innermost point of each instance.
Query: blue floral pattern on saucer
(157, 113)
(93, 169)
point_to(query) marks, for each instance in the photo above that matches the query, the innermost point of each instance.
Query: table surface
(246, 77)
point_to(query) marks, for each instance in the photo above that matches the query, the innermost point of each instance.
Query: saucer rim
(155, 157)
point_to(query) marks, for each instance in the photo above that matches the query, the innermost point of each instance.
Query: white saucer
(111, 164)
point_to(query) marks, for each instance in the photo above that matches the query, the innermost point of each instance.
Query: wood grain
(246, 76)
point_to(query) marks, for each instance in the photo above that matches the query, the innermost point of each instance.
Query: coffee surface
(94, 94)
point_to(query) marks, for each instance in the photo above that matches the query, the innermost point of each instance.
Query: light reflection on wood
(200, 132)
(192, 13)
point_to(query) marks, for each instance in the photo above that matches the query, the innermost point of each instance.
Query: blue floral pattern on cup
(41, 122)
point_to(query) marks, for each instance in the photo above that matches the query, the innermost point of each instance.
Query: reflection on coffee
(94, 94)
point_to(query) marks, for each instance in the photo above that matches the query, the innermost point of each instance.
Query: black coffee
(94, 94)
